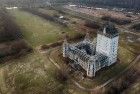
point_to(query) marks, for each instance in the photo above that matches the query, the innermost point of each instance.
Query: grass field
(33, 73)
(38, 31)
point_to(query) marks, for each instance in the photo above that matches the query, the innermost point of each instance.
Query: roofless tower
(94, 56)
(107, 42)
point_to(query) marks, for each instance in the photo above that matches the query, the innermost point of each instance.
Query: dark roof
(85, 47)
(111, 30)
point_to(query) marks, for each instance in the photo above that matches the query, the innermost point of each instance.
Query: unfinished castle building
(94, 56)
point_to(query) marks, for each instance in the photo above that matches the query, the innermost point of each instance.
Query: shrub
(61, 75)
(124, 82)
(116, 20)
(93, 25)
(47, 17)
(135, 26)
(19, 47)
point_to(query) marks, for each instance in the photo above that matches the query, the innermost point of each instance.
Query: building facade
(92, 56)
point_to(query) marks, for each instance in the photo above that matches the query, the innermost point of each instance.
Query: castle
(93, 56)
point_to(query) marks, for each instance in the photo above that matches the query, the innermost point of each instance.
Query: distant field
(39, 31)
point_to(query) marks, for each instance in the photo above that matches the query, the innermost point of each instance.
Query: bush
(43, 47)
(14, 48)
(93, 25)
(47, 17)
(116, 20)
(76, 37)
(135, 26)
(61, 12)
(124, 82)
(74, 22)
(56, 16)
(61, 75)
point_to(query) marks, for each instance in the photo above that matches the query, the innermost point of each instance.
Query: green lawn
(38, 31)
(30, 74)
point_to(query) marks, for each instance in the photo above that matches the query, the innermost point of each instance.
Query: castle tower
(107, 42)
(91, 67)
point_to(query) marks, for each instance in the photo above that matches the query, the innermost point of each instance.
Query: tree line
(8, 28)
(47, 17)
(119, 3)
(12, 43)
(38, 3)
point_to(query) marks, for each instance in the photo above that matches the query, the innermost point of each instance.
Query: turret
(65, 47)
(91, 66)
